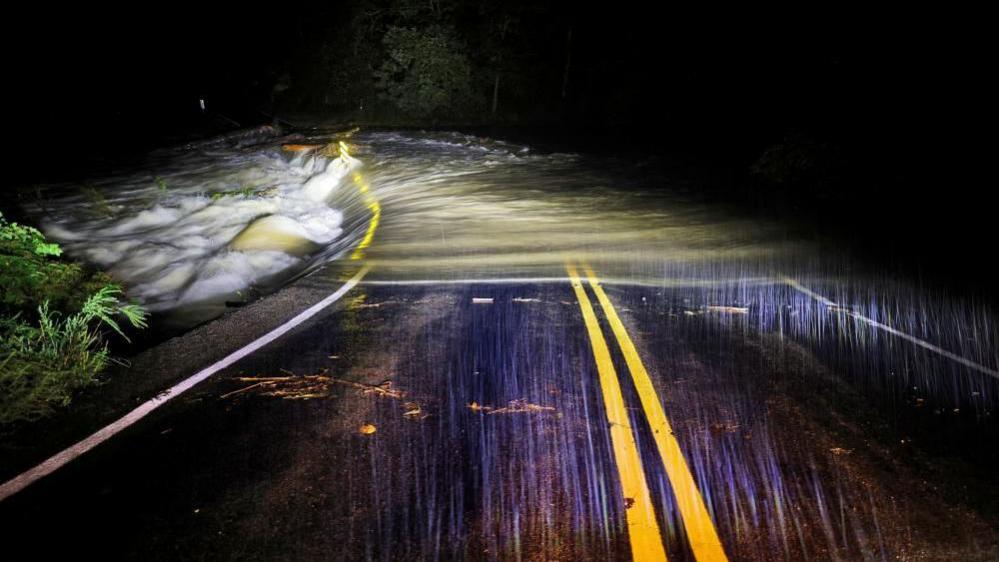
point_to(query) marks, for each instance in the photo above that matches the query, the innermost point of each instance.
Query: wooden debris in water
(300, 147)
(329, 150)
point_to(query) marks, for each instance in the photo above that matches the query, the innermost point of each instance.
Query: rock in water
(276, 233)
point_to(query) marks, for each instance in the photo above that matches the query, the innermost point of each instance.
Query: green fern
(43, 366)
(53, 319)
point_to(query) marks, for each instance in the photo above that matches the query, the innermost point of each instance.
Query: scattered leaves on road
(724, 427)
(413, 411)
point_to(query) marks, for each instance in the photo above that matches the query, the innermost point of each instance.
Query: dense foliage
(425, 72)
(29, 275)
(53, 316)
(408, 61)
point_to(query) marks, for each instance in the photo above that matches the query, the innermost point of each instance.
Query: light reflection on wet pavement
(263, 477)
(457, 412)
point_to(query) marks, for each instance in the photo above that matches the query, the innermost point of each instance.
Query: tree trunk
(496, 92)
(499, 61)
(568, 63)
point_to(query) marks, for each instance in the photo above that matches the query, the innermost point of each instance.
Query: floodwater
(208, 224)
(745, 326)
(451, 207)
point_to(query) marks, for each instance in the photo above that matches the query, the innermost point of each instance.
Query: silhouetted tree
(425, 71)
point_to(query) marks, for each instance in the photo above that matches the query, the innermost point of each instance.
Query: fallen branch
(520, 406)
(290, 387)
(240, 391)
(381, 389)
(728, 309)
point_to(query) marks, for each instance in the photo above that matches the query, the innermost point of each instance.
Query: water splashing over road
(202, 225)
(779, 360)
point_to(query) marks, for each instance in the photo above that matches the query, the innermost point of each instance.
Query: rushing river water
(203, 225)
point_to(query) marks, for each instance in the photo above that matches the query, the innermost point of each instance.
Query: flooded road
(553, 356)
(204, 224)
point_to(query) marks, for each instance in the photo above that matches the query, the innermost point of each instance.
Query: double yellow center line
(376, 214)
(644, 533)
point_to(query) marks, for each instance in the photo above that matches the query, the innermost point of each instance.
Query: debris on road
(381, 389)
(727, 309)
(725, 427)
(413, 411)
(367, 429)
(304, 387)
(716, 309)
(360, 302)
(290, 387)
(482, 300)
(513, 407)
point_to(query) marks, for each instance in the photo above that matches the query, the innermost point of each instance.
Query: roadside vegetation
(405, 62)
(55, 318)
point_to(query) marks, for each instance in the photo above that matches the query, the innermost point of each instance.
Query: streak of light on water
(460, 210)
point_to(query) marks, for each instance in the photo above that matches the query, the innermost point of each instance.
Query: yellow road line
(376, 214)
(700, 529)
(643, 527)
(60, 459)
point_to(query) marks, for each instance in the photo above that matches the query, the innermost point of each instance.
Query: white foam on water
(449, 205)
(173, 244)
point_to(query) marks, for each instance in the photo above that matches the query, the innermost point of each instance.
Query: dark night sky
(90, 56)
(87, 66)
(906, 95)
(893, 81)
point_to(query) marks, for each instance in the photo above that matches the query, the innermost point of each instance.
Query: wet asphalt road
(733, 392)
(468, 421)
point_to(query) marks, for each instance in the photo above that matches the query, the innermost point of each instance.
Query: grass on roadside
(54, 320)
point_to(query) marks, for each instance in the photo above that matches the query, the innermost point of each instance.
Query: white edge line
(994, 373)
(533, 280)
(60, 459)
